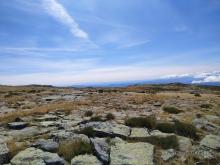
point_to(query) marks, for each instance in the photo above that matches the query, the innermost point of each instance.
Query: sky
(67, 42)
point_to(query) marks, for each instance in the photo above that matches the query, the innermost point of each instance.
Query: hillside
(136, 125)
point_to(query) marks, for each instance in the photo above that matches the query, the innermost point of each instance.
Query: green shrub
(164, 142)
(173, 110)
(206, 105)
(96, 118)
(197, 95)
(87, 131)
(166, 127)
(88, 113)
(110, 116)
(148, 122)
(185, 129)
(69, 149)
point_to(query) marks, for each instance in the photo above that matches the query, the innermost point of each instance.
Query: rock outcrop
(131, 153)
(85, 160)
(33, 156)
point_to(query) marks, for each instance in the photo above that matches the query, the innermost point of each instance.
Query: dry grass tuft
(15, 147)
(69, 149)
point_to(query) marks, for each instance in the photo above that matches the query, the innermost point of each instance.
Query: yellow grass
(65, 106)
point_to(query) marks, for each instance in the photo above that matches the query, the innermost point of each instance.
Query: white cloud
(175, 76)
(207, 79)
(57, 11)
(95, 73)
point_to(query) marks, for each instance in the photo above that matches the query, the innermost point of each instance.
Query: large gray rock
(202, 152)
(201, 123)
(109, 128)
(185, 146)
(46, 145)
(131, 153)
(24, 133)
(102, 149)
(33, 156)
(85, 160)
(4, 153)
(17, 125)
(211, 141)
(168, 154)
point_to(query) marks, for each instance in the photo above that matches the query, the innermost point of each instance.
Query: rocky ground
(137, 125)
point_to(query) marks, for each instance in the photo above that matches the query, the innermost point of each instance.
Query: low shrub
(197, 95)
(96, 118)
(87, 131)
(69, 149)
(173, 110)
(148, 122)
(185, 129)
(166, 127)
(110, 116)
(206, 105)
(88, 113)
(164, 142)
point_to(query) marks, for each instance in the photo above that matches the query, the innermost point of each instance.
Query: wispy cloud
(56, 10)
(134, 43)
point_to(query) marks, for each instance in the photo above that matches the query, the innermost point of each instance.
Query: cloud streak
(57, 11)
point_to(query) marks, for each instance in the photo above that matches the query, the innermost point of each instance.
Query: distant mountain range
(208, 78)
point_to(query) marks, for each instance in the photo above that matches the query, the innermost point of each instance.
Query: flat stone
(102, 149)
(17, 125)
(46, 145)
(211, 141)
(109, 128)
(33, 156)
(212, 118)
(62, 135)
(85, 160)
(139, 132)
(168, 154)
(24, 133)
(157, 104)
(47, 123)
(47, 117)
(5, 109)
(131, 153)
(4, 153)
(52, 98)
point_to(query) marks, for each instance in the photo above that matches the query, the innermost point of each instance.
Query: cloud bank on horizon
(71, 42)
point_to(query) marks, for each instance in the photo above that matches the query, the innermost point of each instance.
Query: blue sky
(64, 42)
